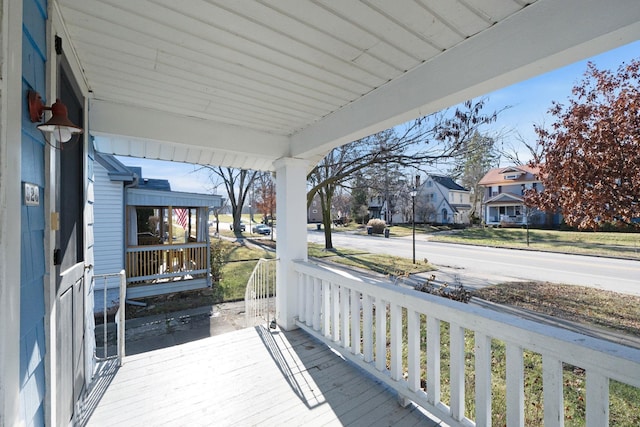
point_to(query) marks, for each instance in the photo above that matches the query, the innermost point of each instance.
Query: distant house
(314, 212)
(158, 236)
(503, 201)
(441, 200)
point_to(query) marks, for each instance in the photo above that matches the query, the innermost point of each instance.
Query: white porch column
(291, 226)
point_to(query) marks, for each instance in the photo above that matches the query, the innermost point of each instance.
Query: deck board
(248, 377)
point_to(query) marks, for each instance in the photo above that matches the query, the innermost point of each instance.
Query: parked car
(262, 229)
(243, 227)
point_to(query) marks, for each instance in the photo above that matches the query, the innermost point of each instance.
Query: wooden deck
(248, 377)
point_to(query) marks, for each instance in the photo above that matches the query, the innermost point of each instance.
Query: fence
(260, 293)
(120, 318)
(372, 325)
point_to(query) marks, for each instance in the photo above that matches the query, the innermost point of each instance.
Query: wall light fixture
(59, 125)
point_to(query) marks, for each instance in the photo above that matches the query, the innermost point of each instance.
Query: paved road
(476, 266)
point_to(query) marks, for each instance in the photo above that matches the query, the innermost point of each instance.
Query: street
(474, 266)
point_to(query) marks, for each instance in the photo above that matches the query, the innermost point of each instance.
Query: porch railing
(260, 293)
(166, 262)
(104, 280)
(352, 317)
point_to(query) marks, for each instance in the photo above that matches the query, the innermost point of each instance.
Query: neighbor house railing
(372, 324)
(165, 262)
(259, 298)
(104, 280)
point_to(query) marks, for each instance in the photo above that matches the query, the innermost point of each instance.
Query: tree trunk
(325, 205)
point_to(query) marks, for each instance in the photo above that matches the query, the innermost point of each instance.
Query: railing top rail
(108, 275)
(621, 362)
(142, 248)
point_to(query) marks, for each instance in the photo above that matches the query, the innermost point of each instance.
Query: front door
(70, 266)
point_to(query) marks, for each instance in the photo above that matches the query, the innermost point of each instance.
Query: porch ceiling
(243, 83)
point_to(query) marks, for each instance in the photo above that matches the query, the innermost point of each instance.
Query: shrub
(377, 225)
(456, 293)
(217, 260)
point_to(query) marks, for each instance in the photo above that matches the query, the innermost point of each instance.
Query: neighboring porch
(506, 210)
(167, 242)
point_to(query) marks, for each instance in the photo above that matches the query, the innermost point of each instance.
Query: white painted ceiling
(242, 83)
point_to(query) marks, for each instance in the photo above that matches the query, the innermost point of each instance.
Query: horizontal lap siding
(108, 231)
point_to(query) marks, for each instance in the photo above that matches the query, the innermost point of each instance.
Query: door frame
(55, 29)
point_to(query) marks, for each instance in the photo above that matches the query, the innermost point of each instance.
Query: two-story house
(503, 201)
(440, 199)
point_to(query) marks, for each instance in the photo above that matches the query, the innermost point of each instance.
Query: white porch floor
(248, 377)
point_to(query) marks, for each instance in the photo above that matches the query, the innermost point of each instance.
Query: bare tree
(512, 152)
(416, 144)
(238, 183)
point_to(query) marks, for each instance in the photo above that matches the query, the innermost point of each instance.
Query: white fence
(104, 280)
(259, 298)
(351, 316)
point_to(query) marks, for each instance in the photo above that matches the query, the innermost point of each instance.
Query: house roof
(118, 171)
(497, 176)
(448, 182)
(149, 197)
(242, 84)
(150, 183)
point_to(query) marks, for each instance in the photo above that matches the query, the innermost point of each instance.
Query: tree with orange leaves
(591, 154)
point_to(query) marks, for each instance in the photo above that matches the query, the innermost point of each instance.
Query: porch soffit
(244, 83)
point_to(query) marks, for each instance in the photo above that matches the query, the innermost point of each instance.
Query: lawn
(625, 245)
(390, 265)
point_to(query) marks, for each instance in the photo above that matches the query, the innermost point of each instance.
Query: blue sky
(528, 101)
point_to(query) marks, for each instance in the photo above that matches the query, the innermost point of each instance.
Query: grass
(625, 245)
(384, 264)
(579, 304)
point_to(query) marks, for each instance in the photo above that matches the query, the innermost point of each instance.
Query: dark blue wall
(32, 268)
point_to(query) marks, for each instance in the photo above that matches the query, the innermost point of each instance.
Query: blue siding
(32, 268)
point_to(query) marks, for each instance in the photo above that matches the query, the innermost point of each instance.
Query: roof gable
(504, 197)
(448, 182)
(511, 174)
